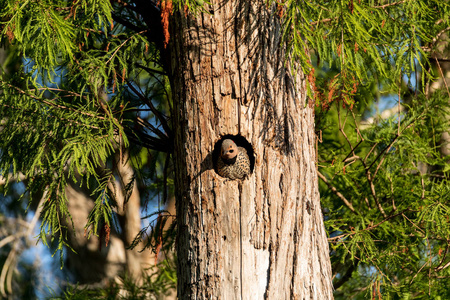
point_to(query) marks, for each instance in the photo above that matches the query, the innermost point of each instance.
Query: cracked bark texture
(263, 237)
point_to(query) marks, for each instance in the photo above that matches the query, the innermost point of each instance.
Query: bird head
(229, 149)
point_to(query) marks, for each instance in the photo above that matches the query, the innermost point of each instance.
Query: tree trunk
(442, 65)
(93, 262)
(263, 237)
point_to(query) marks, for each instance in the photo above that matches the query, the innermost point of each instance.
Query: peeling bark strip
(263, 237)
(166, 10)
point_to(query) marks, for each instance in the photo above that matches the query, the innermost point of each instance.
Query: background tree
(238, 68)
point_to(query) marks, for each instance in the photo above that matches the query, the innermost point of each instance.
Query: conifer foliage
(87, 81)
(94, 83)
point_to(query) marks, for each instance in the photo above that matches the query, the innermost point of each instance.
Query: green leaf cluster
(368, 41)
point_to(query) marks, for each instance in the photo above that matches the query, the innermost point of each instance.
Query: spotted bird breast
(236, 169)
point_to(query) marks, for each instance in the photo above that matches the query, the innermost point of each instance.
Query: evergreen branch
(374, 194)
(11, 178)
(357, 127)
(97, 138)
(336, 18)
(63, 8)
(49, 102)
(126, 23)
(436, 38)
(386, 150)
(370, 152)
(102, 99)
(388, 147)
(443, 267)
(52, 116)
(165, 90)
(417, 273)
(97, 32)
(373, 264)
(404, 216)
(334, 190)
(438, 267)
(71, 109)
(391, 4)
(369, 227)
(346, 276)
(443, 77)
(151, 70)
(324, 21)
(59, 90)
(123, 43)
(341, 126)
(156, 112)
(151, 127)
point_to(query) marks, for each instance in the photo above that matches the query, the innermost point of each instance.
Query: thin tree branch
(70, 122)
(341, 126)
(126, 23)
(12, 178)
(443, 77)
(370, 151)
(439, 34)
(387, 148)
(385, 151)
(334, 190)
(156, 112)
(391, 4)
(151, 70)
(367, 228)
(346, 276)
(123, 43)
(424, 264)
(374, 194)
(51, 103)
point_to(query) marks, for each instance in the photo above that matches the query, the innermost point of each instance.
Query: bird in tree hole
(233, 162)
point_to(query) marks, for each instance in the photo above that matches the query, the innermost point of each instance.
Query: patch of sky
(390, 100)
(48, 281)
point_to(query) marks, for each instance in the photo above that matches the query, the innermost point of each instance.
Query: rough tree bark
(263, 237)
